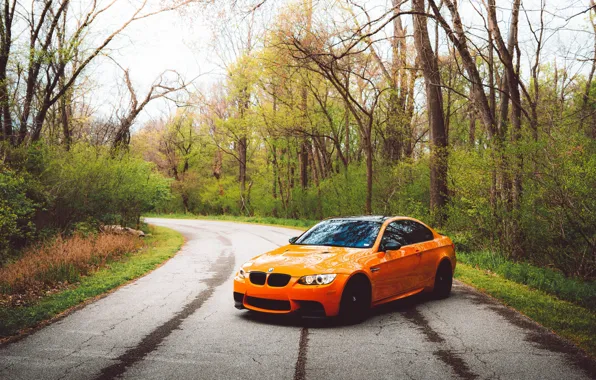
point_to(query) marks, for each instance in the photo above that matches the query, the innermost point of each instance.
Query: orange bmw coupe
(345, 266)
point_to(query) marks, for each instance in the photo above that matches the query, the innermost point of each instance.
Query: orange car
(345, 266)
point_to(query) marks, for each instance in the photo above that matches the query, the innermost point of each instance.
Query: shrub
(16, 212)
(88, 183)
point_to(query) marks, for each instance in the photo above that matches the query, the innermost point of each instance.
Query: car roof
(367, 218)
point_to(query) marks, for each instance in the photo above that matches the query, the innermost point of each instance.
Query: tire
(443, 281)
(355, 301)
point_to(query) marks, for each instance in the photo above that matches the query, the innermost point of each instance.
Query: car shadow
(294, 320)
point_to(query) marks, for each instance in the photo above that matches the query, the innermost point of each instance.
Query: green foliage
(545, 279)
(89, 183)
(558, 212)
(16, 211)
(471, 219)
(45, 190)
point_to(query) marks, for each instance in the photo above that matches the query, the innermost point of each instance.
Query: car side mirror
(392, 246)
(292, 240)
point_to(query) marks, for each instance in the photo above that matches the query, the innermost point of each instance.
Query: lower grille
(278, 280)
(238, 297)
(258, 278)
(311, 309)
(267, 304)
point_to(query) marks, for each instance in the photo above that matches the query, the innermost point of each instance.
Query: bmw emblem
(270, 270)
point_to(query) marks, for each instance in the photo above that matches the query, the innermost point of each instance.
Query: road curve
(179, 322)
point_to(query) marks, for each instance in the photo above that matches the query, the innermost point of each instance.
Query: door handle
(375, 269)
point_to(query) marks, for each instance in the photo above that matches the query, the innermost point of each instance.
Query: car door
(396, 273)
(427, 247)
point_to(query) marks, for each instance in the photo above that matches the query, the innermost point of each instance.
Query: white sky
(167, 41)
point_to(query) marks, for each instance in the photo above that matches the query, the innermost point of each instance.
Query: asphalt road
(179, 322)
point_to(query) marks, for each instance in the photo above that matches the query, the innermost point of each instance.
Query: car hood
(302, 260)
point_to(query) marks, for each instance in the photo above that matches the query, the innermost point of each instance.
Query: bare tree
(162, 87)
(55, 62)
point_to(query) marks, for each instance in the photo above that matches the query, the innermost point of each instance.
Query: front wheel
(443, 281)
(355, 301)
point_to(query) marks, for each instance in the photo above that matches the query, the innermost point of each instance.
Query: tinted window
(419, 233)
(406, 232)
(342, 233)
(395, 232)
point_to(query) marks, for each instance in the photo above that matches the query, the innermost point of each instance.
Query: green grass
(300, 224)
(568, 320)
(550, 281)
(161, 245)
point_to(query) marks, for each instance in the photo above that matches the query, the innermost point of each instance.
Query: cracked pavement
(179, 322)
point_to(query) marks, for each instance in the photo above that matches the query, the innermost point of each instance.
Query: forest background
(477, 117)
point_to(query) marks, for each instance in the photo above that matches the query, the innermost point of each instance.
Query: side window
(418, 232)
(395, 232)
(407, 232)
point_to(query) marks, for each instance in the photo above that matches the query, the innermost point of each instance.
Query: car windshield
(342, 233)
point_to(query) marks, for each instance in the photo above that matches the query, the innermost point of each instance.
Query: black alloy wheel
(443, 281)
(355, 301)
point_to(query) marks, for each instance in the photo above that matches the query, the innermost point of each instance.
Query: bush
(47, 190)
(88, 183)
(16, 212)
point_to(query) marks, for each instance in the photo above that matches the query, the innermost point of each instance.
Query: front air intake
(267, 304)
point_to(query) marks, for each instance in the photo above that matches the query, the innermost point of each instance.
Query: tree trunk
(472, 130)
(304, 164)
(587, 101)
(5, 47)
(434, 96)
(369, 172)
(275, 178)
(65, 123)
(242, 148)
(458, 38)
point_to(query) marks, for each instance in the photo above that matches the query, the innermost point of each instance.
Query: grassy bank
(548, 280)
(160, 246)
(567, 319)
(301, 224)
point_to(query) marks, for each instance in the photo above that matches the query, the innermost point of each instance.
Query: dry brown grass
(63, 261)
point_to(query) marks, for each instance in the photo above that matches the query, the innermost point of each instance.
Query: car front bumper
(308, 300)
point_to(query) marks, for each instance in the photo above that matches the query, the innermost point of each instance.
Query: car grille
(311, 309)
(278, 280)
(258, 278)
(267, 304)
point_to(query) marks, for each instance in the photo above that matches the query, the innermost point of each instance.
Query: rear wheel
(355, 301)
(443, 281)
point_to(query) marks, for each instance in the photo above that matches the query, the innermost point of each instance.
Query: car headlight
(242, 273)
(317, 279)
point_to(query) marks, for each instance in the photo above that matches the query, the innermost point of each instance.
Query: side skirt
(399, 296)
